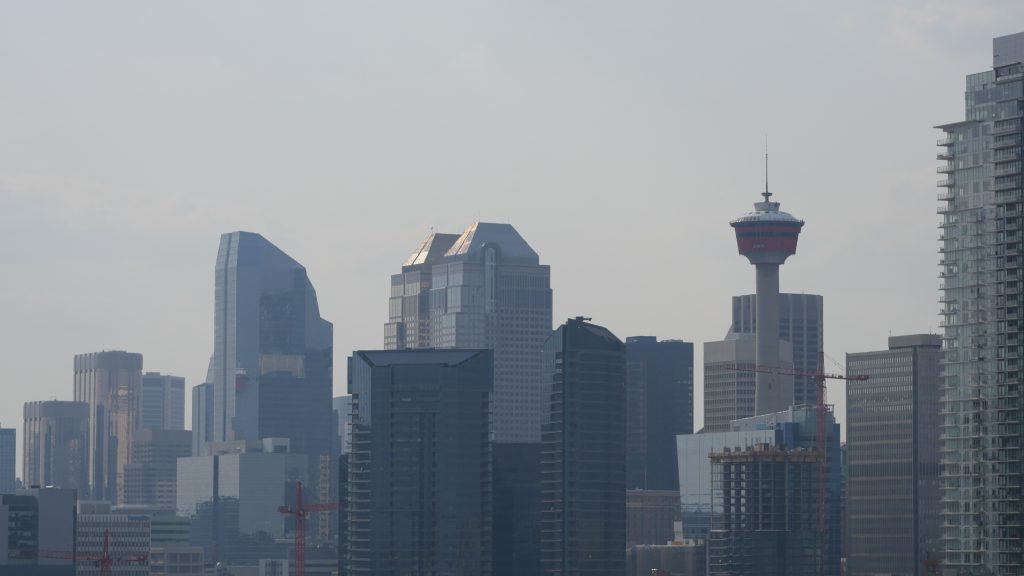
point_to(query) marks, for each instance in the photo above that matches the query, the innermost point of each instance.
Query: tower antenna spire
(767, 195)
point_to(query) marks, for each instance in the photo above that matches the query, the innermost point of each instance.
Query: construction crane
(819, 438)
(301, 512)
(104, 561)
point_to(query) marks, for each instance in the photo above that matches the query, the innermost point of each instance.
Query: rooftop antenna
(767, 195)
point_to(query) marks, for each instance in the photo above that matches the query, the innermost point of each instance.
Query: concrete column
(772, 392)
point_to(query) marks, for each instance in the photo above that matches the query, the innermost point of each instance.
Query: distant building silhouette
(8, 447)
(419, 476)
(583, 467)
(202, 417)
(55, 447)
(151, 479)
(163, 401)
(111, 384)
(729, 393)
(659, 399)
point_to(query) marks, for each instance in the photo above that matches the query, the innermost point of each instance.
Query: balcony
(945, 196)
(945, 168)
(948, 140)
(948, 182)
(943, 156)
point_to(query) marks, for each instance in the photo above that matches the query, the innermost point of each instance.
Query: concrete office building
(8, 447)
(232, 495)
(651, 516)
(151, 479)
(127, 537)
(982, 305)
(163, 401)
(271, 369)
(55, 449)
(419, 469)
(202, 417)
(583, 466)
(728, 392)
(110, 383)
(801, 324)
(892, 443)
(767, 237)
(38, 529)
(659, 401)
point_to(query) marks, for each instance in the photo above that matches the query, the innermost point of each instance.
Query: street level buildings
(583, 465)
(982, 303)
(892, 448)
(163, 401)
(659, 405)
(110, 383)
(419, 469)
(55, 445)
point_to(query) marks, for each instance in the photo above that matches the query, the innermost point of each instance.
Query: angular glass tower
(419, 470)
(409, 306)
(271, 369)
(982, 209)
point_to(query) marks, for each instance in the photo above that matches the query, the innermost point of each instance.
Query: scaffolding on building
(764, 512)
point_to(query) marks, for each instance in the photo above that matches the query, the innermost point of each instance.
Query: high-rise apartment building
(659, 402)
(342, 406)
(583, 467)
(982, 299)
(419, 475)
(163, 401)
(271, 369)
(202, 417)
(151, 479)
(8, 447)
(892, 447)
(728, 392)
(55, 449)
(801, 323)
(110, 383)
(409, 305)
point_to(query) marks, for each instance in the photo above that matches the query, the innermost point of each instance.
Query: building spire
(767, 195)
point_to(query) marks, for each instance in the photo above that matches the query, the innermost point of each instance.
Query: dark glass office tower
(163, 401)
(419, 469)
(982, 239)
(892, 444)
(55, 449)
(583, 465)
(659, 399)
(8, 448)
(271, 366)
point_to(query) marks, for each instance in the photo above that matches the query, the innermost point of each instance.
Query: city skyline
(93, 217)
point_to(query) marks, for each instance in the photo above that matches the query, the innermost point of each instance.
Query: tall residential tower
(982, 298)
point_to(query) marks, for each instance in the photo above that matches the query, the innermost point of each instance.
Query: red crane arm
(790, 372)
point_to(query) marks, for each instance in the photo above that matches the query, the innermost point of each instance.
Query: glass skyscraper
(583, 466)
(271, 370)
(419, 469)
(55, 445)
(982, 300)
(892, 457)
(163, 401)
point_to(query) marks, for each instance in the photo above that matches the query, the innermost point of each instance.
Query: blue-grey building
(659, 400)
(163, 402)
(8, 445)
(342, 406)
(271, 369)
(583, 464)
(202, 417)
(418, 495)
(34, 520)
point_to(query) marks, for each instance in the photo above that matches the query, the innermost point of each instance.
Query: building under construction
(765, 513)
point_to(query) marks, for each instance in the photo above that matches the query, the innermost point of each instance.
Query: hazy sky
(618, 137)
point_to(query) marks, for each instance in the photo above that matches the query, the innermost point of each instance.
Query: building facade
(38, 528)
(892, 443)
(583, 465)
(982, 236)
(728, 392)
(342, 406)
(271, 370)
(110, 383)
(151, 479)
(8, 448)
(124, 537)
(55, 449)
(801, 323)
(419, 468)
(202, 417)
(409, 305)
(163, 401)
(659, 406)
